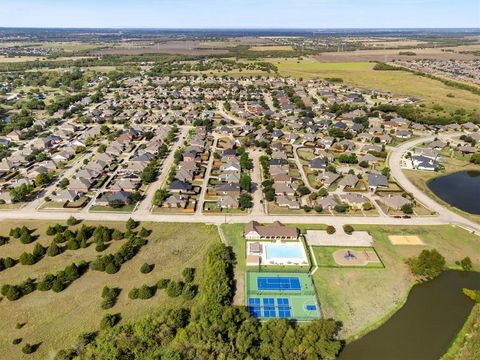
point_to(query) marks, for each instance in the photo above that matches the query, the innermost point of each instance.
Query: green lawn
(362, 298)
(56, 319)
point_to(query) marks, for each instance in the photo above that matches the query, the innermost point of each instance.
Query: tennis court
(281, 295)
(278, 283)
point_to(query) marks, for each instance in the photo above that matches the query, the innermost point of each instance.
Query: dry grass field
(400, 83)
(56, 319)
(272, 48)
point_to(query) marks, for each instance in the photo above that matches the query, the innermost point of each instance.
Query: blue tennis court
(254, 307)
(269, 308)
(283, 308)
(278, 283)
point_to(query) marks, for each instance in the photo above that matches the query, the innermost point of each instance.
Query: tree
(348, 229)
(475, 158)
(53, 249)
(131, 224)
(318, 208)
(245, 201)
(428, 265)
(303, 190)
(340, 208)
(21, 193)
(162, 283)
(246, 182)
(160, 196)
(146, 292)
(407, 209)
(41, 179)
(149, 174)
(189, 291)
(330, 230)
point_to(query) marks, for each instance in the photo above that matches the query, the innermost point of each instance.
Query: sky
(241, 13)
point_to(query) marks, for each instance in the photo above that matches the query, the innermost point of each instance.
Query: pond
(460, 189)
(425, 326)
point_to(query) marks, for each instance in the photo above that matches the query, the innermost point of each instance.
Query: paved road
(258, 206)
(146, 203)
(206, 177)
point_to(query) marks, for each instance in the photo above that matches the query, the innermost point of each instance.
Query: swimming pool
(284, 253)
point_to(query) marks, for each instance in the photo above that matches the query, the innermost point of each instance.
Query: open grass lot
(398, 82)
(56, 319)
(421, 178)
(363, 298)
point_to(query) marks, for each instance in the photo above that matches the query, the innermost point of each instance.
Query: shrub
(71, 221)
(73, 244)
(189, 291)
(15, 233)
(465, 263)
(162, 283)
(26, 237)
(111, 268)
(16, 341)
(19, 325)
(131, 224)
(28, 349)
(58, 285)
(146, 292)
(318, 208)
(367, 206)
(330, 230)
(109, 296)
(53, 250)
(100, 246)
(348, 229)
(27, 259)
(109, 321)
(144, 232)
(46, 283)
(188, 274)
(174, 288)
(117, 235)
(146, 268)
(133, 294)
(340, 208)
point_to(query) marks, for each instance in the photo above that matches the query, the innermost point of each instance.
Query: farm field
(398, 82)
(56, 319)
(363, 298)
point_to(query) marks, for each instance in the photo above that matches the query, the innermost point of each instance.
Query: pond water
(460, 189)
(425, 326)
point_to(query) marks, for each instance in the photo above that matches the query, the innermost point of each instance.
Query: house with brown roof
(277, 231)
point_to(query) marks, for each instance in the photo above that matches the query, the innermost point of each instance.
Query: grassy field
(56, 319)
(363, 298)
(398, 82)
(421, 178)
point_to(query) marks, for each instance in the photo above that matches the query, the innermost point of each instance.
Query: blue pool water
(284, 251)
